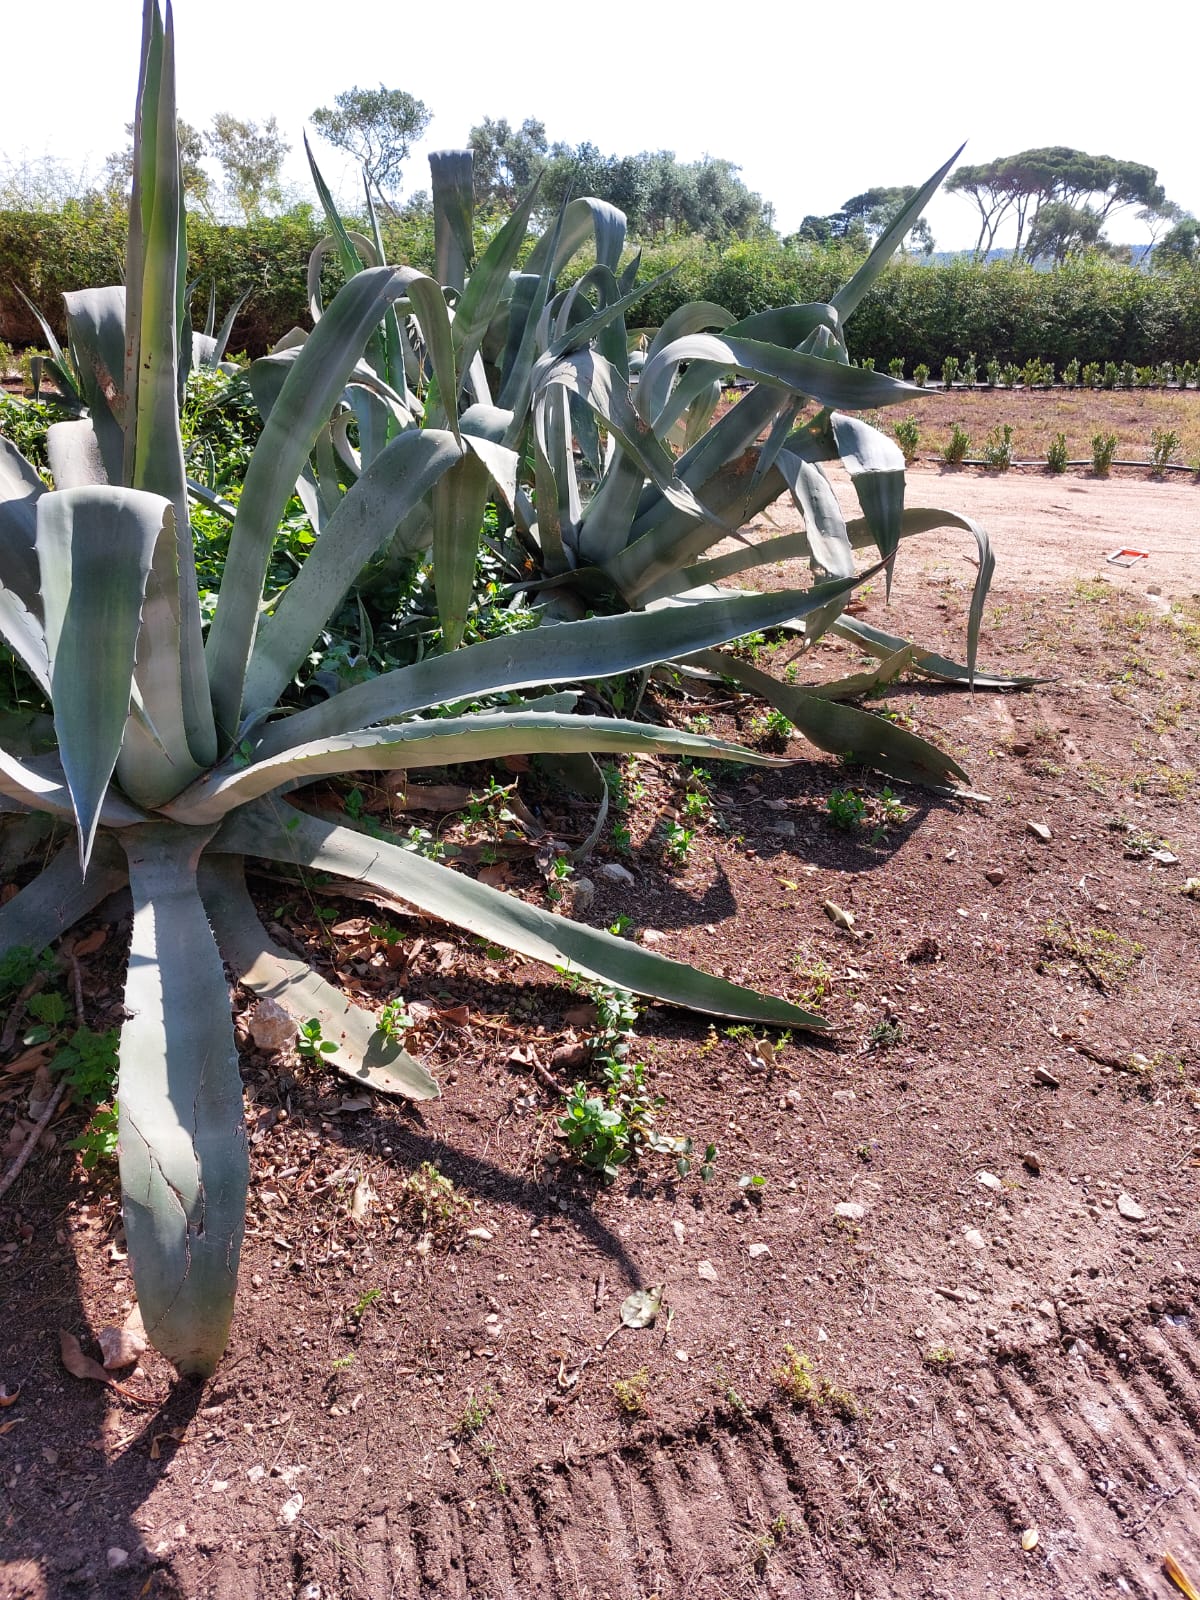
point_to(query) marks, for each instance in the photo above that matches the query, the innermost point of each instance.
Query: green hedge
(79, 247)
(1093, 310)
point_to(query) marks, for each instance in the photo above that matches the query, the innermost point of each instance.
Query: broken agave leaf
(641, 1307)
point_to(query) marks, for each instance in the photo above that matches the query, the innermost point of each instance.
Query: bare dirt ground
(946, 1348)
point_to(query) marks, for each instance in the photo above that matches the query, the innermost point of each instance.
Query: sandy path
(1049, 531)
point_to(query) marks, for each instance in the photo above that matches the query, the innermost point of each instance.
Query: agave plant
(171, 764)
(631, 487)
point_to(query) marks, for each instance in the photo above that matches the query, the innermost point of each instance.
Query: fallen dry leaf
(7, 1427)
(29, 1060)
(76, 1363)
(1029, 1539)
(172, 1436)
(496, 876)
(7, 1399)
(82, 1366)
(41, 1092)
(455, 1016)
(1179, 1577)
(90, 943)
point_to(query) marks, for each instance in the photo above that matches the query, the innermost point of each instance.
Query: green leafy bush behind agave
(166, 762)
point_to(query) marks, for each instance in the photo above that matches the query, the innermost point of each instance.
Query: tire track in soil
(689, 1513)
(1101, 1455)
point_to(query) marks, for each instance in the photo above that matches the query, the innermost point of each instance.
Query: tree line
(1056, 203)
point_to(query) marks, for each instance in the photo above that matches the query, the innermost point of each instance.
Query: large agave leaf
(459, 500)
(582, 219)
(441, 742)
(848, 297)
(595, 381)
(288, 835)
(563, 653)
(364, 519)
(876, 468)
(60, 896)
(39, 783)
(22, 631)
(20, 490)
(185, 1169)
(156, 754)
(309, 393)
(364, 1055)
(172, 678)
(923, 519)
(95, 550)
(96, 325)
(886, 645)
(452, 187)
(73, 451)
(786, 547)
(831, 383)
(489, 283)
(824, 524)
(842, 730)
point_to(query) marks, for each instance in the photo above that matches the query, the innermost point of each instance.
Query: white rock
(271, 1027)
(678, 1229)
(116, 1557)
(290, 1509)
(706, 1270)
(1129, 1208)
(974, 1238)
(849, 1210)
(614, 872)
(756, 1250)
(652, 936)
(988, 1180)
(1039, 831)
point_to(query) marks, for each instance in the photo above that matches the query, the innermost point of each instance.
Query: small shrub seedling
(311, 1044)
(958, 446)
(997, 452)
(846, 809)
(908, 437)
(1104, 448)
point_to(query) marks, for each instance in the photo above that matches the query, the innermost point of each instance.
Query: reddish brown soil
(996, 1349)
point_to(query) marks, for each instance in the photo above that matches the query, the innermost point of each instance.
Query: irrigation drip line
(1145, 466)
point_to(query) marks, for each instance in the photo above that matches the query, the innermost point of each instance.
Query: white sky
(814, 102)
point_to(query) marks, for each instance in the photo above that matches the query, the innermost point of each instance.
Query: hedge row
(1092, 310)
(73, 249)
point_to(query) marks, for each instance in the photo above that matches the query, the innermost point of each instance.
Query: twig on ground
(26, 1150)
